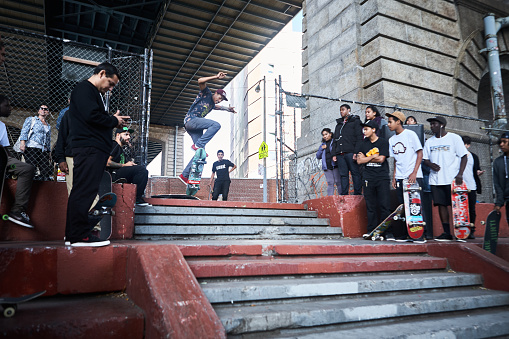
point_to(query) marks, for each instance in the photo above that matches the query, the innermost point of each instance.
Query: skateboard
(376, 234)
(193, 184)
(103, 208)
(491, 232)
(460, 216)
(105, 187)
(413, 209)
(10, 305)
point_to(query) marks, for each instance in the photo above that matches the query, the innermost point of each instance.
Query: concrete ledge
(230, 204)
(161, 283)
(48, 208)
(473, 259)
(345, 211)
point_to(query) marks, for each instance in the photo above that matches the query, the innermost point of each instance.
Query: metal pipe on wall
(175, 150)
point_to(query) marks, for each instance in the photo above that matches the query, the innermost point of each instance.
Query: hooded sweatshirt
(501, 179)
(347, 135)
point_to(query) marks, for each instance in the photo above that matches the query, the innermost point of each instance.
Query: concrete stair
(219, 222)
(351, 292)
(99, 316)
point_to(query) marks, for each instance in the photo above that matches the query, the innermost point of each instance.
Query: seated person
(128, 170)
(25, 173)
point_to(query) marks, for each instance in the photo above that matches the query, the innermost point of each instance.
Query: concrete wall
(166, 136)
(416, 54)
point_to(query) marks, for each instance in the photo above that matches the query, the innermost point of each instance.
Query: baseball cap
(369, 123)
(398, 115)
(504, 135)
(124, 129)
(222, 93)
(440, 120)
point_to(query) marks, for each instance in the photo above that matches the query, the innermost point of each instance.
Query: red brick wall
(240, 189)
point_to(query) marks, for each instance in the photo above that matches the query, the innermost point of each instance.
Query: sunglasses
(44, 108)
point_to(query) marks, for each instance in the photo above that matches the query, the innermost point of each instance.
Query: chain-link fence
(306, 180)
(41, 71)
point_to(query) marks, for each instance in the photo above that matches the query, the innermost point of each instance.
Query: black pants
(472, 197)
(401, 229)
(134, 175)
(89, 165)
(346, 164)
(39, 159)
(221, 187)
(377, 195)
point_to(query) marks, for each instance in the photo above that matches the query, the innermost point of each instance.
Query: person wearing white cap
(194, 121)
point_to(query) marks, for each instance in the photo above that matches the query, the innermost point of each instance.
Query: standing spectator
(222, 183)
(328, 165)
(35, 143)
(195, 121)
(372, 114)
(471, 177)
(346, 145)
(406, 149)
(501, 176)
(411, 120)
(373, 154)
(121, 167)
(24, 172)
(446, 156)
(90, 129)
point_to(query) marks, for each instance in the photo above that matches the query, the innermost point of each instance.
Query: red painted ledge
(232, 204)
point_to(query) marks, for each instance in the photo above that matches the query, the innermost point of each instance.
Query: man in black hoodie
(346, 145)
(91, 132)
(501, 176)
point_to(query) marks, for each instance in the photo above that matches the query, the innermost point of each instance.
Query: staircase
(219, 222)
(362, 291)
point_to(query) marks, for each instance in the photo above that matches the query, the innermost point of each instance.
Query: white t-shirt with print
(468, 174)
(403, 148)
(446, 152)
(4, 140)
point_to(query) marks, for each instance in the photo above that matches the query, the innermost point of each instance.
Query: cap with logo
(222, 93)
(123, 130)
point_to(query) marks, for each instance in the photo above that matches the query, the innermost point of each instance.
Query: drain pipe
(491, 28)
(175, 151)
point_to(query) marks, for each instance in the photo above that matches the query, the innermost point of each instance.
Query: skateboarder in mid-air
(501, 176)
(195, 122)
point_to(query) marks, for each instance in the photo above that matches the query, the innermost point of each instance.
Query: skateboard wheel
(5, 217)
(381, 238)
(113, 212)
(9, 311)
(373, 238)
(423, 223)
(483, 222)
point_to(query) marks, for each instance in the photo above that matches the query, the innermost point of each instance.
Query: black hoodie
(501, 180)
(347, 135)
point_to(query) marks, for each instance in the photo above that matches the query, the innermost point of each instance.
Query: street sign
(263, 151)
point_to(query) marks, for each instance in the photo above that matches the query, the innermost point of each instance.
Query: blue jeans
(346, 164)
(194, 128)
(333, 177)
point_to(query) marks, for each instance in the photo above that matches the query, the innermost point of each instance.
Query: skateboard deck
(103, 211)
(460, 216)
(10, 305)
(376, 234)
(105, 222)
(413, 209)
(193, 184)
(491, 232)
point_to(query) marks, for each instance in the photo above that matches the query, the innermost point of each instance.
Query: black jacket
(477, 167)
(347, 135)
(501, 180)
(63, 147)
(90, 125)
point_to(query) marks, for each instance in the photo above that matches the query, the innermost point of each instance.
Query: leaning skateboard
(193, 183)
(3, 170)
(102, 212)
(377, 233)
(460, 215)
(10, 305)
(413, 211)
(491, 232)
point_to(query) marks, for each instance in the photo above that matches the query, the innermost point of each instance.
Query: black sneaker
(389, 236)
(421, 240)
(90, 241)
(20, 218)
(444, 237)
(403, 238)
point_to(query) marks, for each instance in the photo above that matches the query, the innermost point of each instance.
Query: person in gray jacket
(329, 166)
(501, 176)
